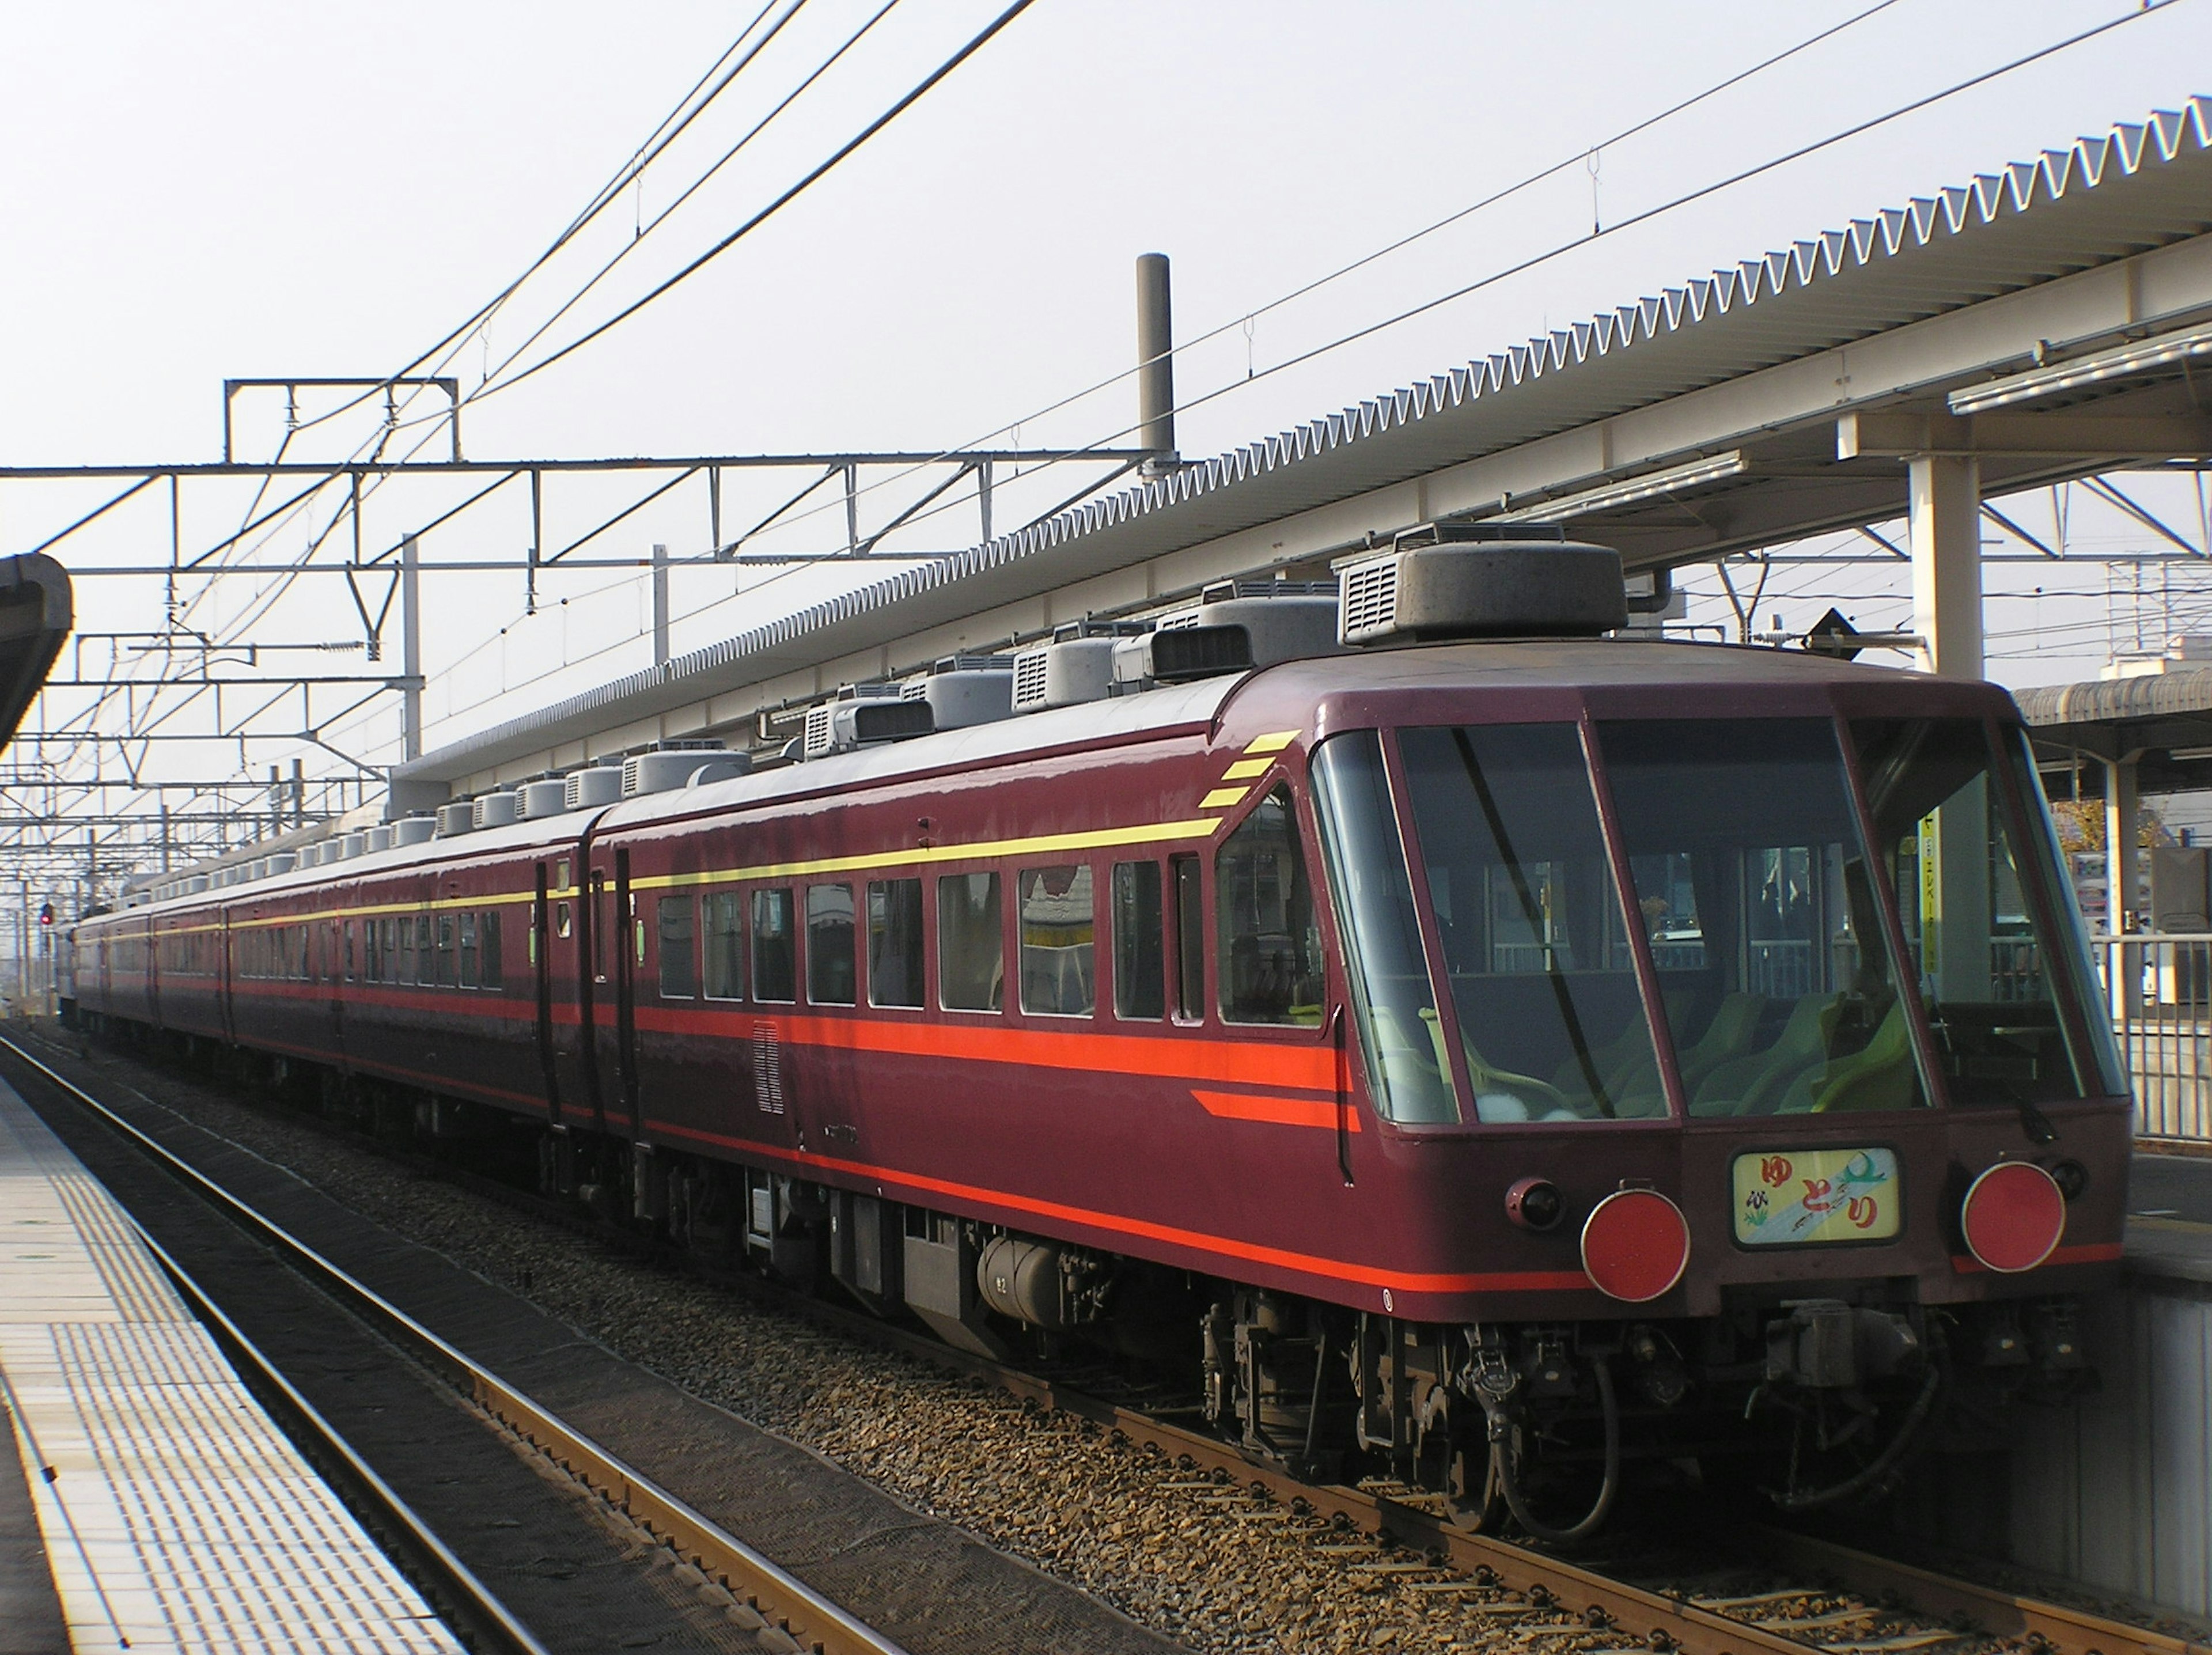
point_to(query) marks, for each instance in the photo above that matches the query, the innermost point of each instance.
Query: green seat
(1754, 1084)
(1878, 1075)
(1537, 1098)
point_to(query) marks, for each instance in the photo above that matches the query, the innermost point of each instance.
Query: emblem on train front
(1816, 1195)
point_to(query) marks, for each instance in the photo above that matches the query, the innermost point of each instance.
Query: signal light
(1635, 1244)
(2014, 1217)
(46, 917)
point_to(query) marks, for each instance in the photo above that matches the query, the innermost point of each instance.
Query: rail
(810, 1619)
(2158, 985)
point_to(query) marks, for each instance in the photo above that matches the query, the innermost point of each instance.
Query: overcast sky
(236, 189)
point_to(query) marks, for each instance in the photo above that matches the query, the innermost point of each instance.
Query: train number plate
(1790, 1197)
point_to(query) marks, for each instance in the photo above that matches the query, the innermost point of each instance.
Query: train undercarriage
(1825, 1403)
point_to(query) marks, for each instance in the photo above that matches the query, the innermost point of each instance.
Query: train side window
(831, 971)
(1141, 988)
(971, 943)
(493, 969)
(726, 945)
(426, 961)
(1270, 969)
(775, 962)
(445, 972)
(348, 951)
(1190, 940)
(1059, 941)
(895, 942)
(406, 950)
(679, 969)
(468, 928)
(564, 922)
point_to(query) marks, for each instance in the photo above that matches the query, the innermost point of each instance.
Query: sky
(244, 189)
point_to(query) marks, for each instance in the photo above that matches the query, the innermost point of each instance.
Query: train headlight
(2013, 1217)
(1535, 1204)
(1635, 1244)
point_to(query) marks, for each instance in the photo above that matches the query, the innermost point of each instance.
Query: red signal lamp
(1635, 1244)
(2014, 1217)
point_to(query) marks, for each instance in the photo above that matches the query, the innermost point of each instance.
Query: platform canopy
(36, 612)
(2047, 320)
(2161, 722)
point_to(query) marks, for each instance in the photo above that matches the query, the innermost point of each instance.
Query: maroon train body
(1466, 1059)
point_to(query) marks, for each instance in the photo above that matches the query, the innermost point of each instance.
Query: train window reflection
(679, 967)
(1978, 943)
(1752, 886)
(1059, 965)
(775, 965)
(971, 943)
(1140, 990)
(1551, 1018)
(831, 973)
(1269, 949)
(1391, 994)
(726, 947)
(895, 943)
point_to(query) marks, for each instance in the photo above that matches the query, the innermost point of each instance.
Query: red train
(1481, 1056)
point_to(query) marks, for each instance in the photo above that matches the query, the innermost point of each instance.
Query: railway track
(782, 1611)
(1780, 1591)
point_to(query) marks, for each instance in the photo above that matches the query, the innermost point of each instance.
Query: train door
(571, 951)
(226, 1011)
(614, 942)
(337, 969)
(541, 977)
(152, 976)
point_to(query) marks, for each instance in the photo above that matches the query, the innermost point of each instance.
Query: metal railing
(2159, 986)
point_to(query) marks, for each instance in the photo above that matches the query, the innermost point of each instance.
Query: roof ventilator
(862, 715)
(1237, 624)
(599, 784)
(1446, 581)
(546, 796)
(459, 816)
(680, 764)
(496, 810)
(413, 829)
(380, 838)
(353, 844)
(1076, 666)
(963, 690)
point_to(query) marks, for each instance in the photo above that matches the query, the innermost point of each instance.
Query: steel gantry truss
(148, 746)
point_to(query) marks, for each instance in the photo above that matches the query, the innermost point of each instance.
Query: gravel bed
(1204, 1564)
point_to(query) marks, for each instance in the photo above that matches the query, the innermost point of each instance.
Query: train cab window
(1752, 891)
(468, 930)
(1550, 1016)
(1140, 989)
(1269, 947)
(1189, 939)
(493, 970)
(1987, 933)
(679, 967)
(831, 971)
(971, 943)
(775, 948)
(726, 945)
(1058, 964)
(895, 942)
(1394, 1001)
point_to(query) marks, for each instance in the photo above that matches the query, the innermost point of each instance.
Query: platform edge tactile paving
(175, 1514)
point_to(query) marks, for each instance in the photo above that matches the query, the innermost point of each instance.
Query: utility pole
(411, 648)
(659, 604)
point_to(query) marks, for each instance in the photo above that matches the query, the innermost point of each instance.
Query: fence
(2160, 992)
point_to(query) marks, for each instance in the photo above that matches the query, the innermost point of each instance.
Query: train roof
(1285, 693)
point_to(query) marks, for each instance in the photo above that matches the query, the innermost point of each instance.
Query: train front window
(1752, 886)
(1551, 1018)
(1974, 908)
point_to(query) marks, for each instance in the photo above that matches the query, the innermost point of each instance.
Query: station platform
(171, 1513)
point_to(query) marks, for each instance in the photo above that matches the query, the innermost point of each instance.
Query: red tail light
(1636, 1245)
(2014, 1217)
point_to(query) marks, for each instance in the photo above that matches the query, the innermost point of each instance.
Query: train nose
(1635, 1244)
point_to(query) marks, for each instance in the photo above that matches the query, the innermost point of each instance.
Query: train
(1457, 1035)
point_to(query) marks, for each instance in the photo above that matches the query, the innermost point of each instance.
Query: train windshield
(1987, 925)
(1753, 885)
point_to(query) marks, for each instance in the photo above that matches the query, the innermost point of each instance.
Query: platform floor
(2170, 1216)
(174, 1514)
